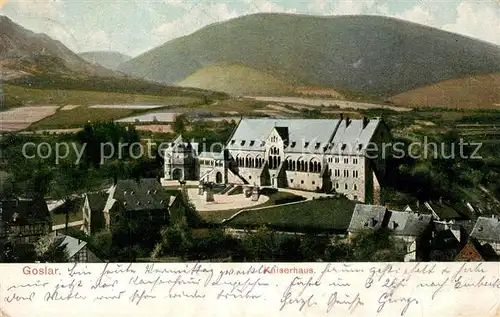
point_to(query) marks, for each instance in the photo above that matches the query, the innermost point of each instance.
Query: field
(470, 92)
(61, 97)
(20, 118)
(157, 128)
(151, 117)
(78, 117)
(317, 102)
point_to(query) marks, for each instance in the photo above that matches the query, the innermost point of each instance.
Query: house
(24, 221)
(414, 229)
(342, 155)
(77, 250)
(372, 217)
(93, 206)
(134, 199)
(487, 232)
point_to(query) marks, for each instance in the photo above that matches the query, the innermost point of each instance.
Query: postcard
(256, 157)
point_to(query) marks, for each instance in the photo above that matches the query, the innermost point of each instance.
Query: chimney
(365, 122)
(418, 203)
(440, 200)
(341, 116)
(347, 121)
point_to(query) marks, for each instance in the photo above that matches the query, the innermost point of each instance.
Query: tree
(175, 240)
(66, 182)
(376, 246)
(180, 124)
(50, 249)
(262, 245)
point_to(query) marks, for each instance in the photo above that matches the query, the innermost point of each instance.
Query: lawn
(275, 198)
(78, 117)
(329, 214)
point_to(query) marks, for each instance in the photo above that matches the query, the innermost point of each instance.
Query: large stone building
(344, 155)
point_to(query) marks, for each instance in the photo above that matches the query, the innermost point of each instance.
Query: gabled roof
(300, 131)
(282, 132)
(352, 137)
(97, 201)
(367, 217)
(443, 210)
(470, 252)
(145, 194)
(409, 223)
(487, 229)
(179, 143)
(73, 245)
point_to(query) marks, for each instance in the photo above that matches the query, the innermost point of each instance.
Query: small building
(180, 160)
(142, 199)
(487, 232)
(24, 221)
(367, 217)
(77, 250)
(414, 229)
(93, 216)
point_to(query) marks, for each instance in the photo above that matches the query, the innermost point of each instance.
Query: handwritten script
(336, 289)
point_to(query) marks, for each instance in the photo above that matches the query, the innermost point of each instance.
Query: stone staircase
(225, 190)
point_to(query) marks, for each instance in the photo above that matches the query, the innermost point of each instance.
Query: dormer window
(243, 142)
(317, 145)
(252, 143)
(293, 144)
(306, 144)
(233, 141)
(344, 146)
(360, 146)
(263, 143)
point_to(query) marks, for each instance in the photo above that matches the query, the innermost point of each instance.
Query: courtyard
(223, 202)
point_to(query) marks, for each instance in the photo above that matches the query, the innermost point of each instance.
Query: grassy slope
(366, 54)
(236, 79)
(469, 92)
(321, 214)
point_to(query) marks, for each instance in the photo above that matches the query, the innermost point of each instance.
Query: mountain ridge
(108, 59)
(27, 52)
(370, 54)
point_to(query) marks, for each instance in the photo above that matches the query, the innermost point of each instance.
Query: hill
(362, 54)
(468, 92)
(108, 59)
(24, 52)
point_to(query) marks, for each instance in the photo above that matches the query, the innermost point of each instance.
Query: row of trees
(265, 245)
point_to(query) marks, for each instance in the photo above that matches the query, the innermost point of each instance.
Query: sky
(135, 26)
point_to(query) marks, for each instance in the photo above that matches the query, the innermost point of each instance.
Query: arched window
(312, 166)
(279, 162)
(293, 165)
(319, 167)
